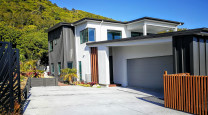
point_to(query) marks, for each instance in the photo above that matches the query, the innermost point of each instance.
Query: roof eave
(59, 25)
(199, 31)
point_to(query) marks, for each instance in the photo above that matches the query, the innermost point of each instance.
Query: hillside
(24, 23)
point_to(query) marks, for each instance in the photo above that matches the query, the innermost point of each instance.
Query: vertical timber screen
(94, 64)
(186, 92)
(10, 93)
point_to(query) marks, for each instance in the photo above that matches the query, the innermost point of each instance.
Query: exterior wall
(57, 54)
(69, 46)
(121, 54)
(64, 50)
(103, 65)
(83, 51)
(190, 54)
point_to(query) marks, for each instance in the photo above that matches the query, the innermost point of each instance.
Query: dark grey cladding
(64, 49)
(191, 54)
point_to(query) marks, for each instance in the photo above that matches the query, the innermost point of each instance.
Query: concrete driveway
(77, 100)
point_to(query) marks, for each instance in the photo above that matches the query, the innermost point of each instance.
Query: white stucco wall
(83, 51)
(121, 51)
(121, 54)
(103, 65)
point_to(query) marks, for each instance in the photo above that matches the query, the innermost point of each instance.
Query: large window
(59, 68)
(70, 65)
(52, 68)
(51, 45)
(87, 34)
(113, 34)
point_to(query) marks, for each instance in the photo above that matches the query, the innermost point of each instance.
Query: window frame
(86, 31)
(89, 35)
(114, 31)
(71, 64)
(59, 68)
(51, 46)
(140, 33)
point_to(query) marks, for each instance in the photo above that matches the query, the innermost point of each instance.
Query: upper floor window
(113, 34)
(87, 34)
(135, 34)
(51, 46)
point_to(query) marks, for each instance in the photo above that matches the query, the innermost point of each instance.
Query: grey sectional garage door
(148, 72)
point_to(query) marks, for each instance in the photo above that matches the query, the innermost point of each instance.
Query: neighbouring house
(127, 53)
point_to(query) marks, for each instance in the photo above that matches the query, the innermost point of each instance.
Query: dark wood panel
(94, 64)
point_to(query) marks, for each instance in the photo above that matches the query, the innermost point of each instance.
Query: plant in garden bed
(69, 74)
(89, 84)
(92, 83)
(28, 69)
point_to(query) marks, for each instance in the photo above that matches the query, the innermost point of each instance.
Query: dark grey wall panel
(202, 51)
(175, 55)
(195, 55)
(181, 54)
(69, 46)
(148, 72)
(192, 55)
(64, 49)
(206, 56)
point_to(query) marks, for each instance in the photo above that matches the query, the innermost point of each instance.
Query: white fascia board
(148, 20)
(161, 24)
(136, 42)
(95, 21)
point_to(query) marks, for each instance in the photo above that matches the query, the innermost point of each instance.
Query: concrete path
(77, 100)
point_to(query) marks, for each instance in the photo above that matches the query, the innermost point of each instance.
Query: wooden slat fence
(186, 92)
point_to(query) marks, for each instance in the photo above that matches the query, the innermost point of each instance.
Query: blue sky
(194, 13)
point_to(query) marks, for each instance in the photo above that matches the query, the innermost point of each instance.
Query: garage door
(148, 72)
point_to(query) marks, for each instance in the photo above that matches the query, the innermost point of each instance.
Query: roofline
(59, 25)
(198, 31)
(156, 19)
(140, 19)
(93, 19)
(111, 21)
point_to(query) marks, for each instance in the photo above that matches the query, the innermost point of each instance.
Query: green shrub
(68, 74)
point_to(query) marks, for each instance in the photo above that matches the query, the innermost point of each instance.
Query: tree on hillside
(25, 24)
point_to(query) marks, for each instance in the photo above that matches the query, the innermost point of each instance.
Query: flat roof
(111, 21)
(198, 31)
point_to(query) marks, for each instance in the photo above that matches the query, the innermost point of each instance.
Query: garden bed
(39, 82)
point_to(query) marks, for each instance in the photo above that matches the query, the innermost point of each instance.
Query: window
(91, 34)
(51, 45)
(59, 68)
(52, 68)
(55, 42)
(134, 34)
(112, 34)
(87, 34)
(70, 65)
(80, 70)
